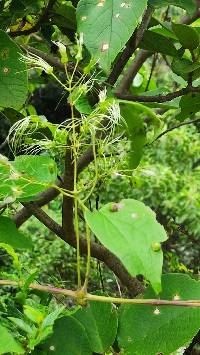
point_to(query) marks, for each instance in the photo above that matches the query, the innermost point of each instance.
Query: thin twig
(90, 297)
(153, 65)
(158, 98)
(175, 127)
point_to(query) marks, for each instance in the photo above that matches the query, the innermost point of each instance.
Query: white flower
(37, 62)
(103, 95)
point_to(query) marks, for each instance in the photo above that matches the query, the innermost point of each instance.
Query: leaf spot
(5, 53)
(156, 312)
(83, 18)
(101, 3)
(6, 70)
(117, 15)
(104, 47)
(130, 339)
(125, 5)
(134, 215)
(52, 348)
(176, 297)
(115, 207)
(156, 247)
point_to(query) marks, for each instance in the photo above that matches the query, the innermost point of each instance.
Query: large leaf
(189, 104)
(64, 15)
(10, 235)
(100, 322)
(148, 330)
(40, 168)
(26, 176)
(188, 5)
(130, 231)
(69, 337)
(137, 134)
(13, 74)
(107, 26)
(134, 115)
(156, 42)
(8, 344)
(188, 36)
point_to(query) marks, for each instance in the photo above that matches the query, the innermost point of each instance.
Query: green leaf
(21, 324)
(129, 230)
(8, 344)
(100, 322)
(188, 36)
(13, 74)
(134, 115)
(107, 26)
(12, 115)
(34, 314)
(188, 5)
(136, 132)
(142, 330)
(83, 105)
(184, 66)
(156, 42)
(40, 168)
(25, 177)
(69, 337)
(10, 235)
(189, 104)
(64, 15)
(13, 255)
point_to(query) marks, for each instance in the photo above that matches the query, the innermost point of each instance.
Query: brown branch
(132, 70)
(91, 297)
(97, 251)
(44, 17)
(68, 203)
(153, 65)
(158, 98)
(130, 48)
(43, 198)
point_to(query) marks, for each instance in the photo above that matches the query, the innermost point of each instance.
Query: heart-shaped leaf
(26, 176)
(130, 231)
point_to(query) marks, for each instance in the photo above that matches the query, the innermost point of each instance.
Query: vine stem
(96, 168)
(76, 221)
(87, 274)
(80, 296)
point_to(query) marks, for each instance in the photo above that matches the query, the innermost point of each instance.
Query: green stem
(96, 168)
(76, 227)
(76, 221)
(87, 274)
